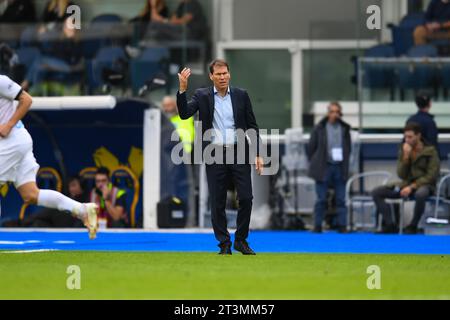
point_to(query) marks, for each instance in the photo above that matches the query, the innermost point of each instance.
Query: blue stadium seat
(10, 204)
(444, 78)
(47, 178)
(107, 18)
(379, 76)
(416, 77)
(147, 65)
(88, 178)
(95, 35)
(125, 179)
(402, 35)
(105, 58)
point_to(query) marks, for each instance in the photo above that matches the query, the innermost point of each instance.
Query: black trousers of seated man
(382, 193)
(218, 175)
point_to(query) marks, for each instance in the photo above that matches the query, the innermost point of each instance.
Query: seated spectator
(189, 14)
(18, 11)
(52, 218)
(154, 11)
(64, 56)
(111, 201)
(437, 25)
(55, 13)
(418, 167)
(425, 120)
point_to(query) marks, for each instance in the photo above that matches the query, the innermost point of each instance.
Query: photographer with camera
(111, 201)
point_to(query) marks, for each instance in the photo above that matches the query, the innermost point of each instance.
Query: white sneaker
(92, 223)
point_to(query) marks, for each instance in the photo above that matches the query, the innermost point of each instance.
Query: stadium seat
(361, 201)
(97, 34)
(415, 76)
(106, 58)
(10, 204)
(47, 178)
(47, 41)
(148, 64)
(402, 35)
(124, 178)
(444, 78)
(379, 76)
(87, 176)
(107, 18)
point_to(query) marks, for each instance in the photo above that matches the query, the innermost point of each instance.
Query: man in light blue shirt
(223, 121)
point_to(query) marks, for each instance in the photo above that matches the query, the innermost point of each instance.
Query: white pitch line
(29, 251)
(19, 242)
(118, 230)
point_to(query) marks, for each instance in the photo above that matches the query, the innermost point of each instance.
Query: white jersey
(9, 90)
(17, 162)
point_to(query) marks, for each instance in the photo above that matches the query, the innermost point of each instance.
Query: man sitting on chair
(437, 23)
(418, 167)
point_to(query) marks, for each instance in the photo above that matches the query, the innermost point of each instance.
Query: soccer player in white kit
(17, 161)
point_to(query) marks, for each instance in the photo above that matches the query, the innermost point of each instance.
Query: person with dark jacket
(18, 11)
(188, 16)
(64, 57)
(425, 120)
(418, 168)
(56, 11)
(329, 156)
(154, 11)
(437, 23)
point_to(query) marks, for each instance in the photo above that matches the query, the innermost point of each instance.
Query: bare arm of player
(24, 105)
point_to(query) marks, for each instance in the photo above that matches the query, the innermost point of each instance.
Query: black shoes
(239, 245)
(389, 229)
(243, 247)
(225, 249)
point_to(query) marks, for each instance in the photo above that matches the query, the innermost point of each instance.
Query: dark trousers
(218, 175)
(382, 193)
(333, 178)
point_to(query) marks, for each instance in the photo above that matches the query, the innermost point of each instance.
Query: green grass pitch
(106, 275)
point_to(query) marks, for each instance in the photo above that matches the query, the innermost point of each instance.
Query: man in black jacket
(329, 153)
(425, 120)
(226, 112)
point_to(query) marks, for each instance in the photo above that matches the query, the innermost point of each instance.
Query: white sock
(55, 200)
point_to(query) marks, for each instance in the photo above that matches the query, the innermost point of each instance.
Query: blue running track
(261, 241)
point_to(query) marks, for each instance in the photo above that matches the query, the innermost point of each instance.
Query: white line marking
(79, 230)
(30, 251)
(20, 242)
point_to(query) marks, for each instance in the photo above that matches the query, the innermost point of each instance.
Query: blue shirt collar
(215, 90)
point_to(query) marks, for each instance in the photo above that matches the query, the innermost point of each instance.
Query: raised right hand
(183, 77)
